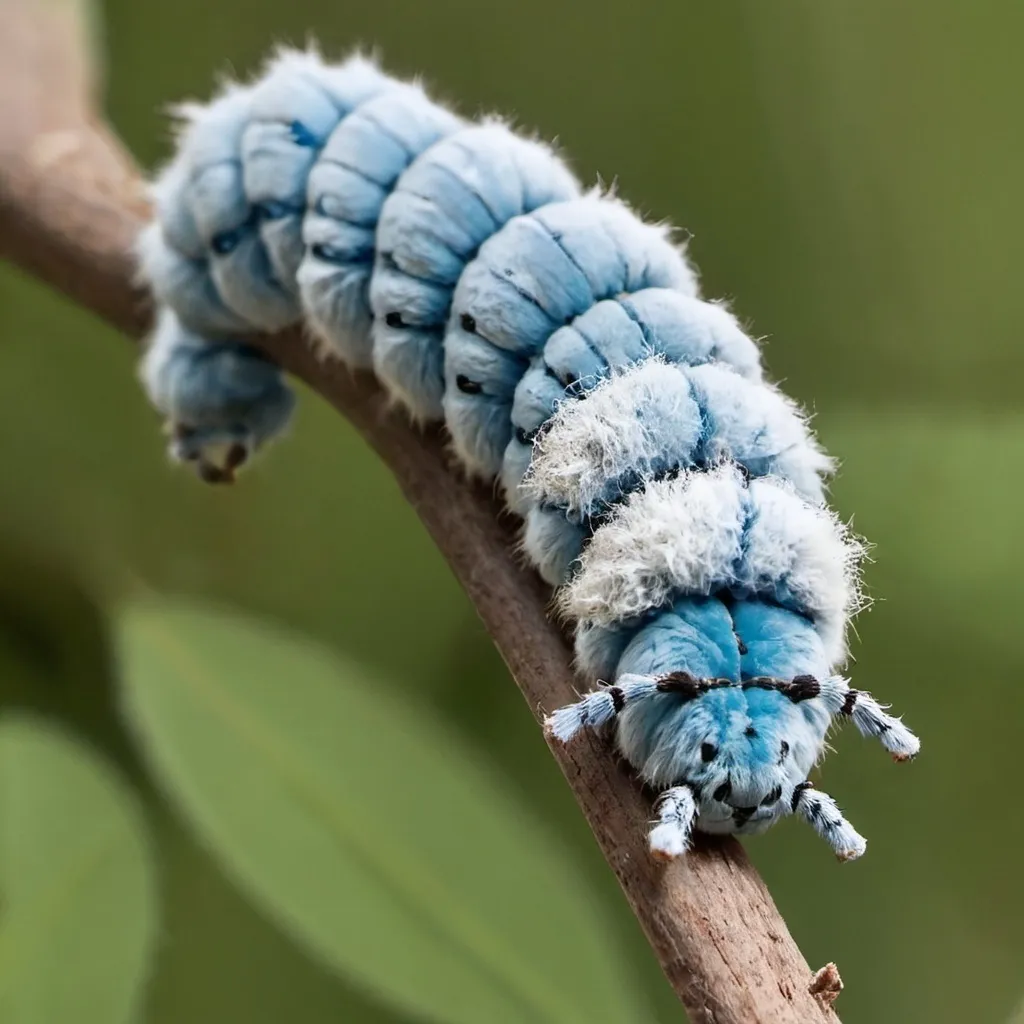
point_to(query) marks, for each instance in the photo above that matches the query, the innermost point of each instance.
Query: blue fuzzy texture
(182, 371)
(465, 265)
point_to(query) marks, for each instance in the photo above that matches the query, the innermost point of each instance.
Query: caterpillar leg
(821, 812)
(677, 812)
(598, 708)
(871, 718)
(217, 455)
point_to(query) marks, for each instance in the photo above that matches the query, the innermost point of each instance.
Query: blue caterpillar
(673, 497)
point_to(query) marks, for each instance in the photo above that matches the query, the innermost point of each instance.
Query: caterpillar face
(744, 733)
(742, 752)
(674, 498)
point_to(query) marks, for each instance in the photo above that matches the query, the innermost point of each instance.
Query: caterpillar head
(743, 751)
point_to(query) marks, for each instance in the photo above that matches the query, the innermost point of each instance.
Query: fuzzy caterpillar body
(674, 498)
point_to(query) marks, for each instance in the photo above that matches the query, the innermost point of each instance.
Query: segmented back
(680, 507)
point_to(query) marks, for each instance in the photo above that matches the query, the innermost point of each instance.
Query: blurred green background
(850, 174)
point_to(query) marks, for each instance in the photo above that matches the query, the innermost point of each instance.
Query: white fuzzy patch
(677, 535)
(677, 811)
(637, 420)
(813, 552)
(686, 536)
(622, 426)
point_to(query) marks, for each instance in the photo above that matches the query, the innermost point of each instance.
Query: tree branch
(71, 203)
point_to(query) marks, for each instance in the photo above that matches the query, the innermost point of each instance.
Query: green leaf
(367, 829)
(78, 912)
(226, 963)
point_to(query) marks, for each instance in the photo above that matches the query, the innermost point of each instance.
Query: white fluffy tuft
(620, 428)
(708, 530)
(677, 535)
(677, 811)
(653, 413)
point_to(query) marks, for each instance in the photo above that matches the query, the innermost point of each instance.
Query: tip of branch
(826, 984)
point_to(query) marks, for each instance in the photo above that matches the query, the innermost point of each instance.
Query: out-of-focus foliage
(79, 907)
(850, 175)
(365, 826)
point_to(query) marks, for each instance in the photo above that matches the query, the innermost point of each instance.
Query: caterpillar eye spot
(394, 320)
(468, 323)
(708, 752)
(467, 386)
(722, 793)
(773, 797)
(783, 751)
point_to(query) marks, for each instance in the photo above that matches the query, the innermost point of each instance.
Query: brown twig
(826, 985)
(70, 206)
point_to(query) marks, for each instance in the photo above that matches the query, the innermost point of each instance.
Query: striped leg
(598, 708)
(821, 812)
(677, 811)
(871, 719)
